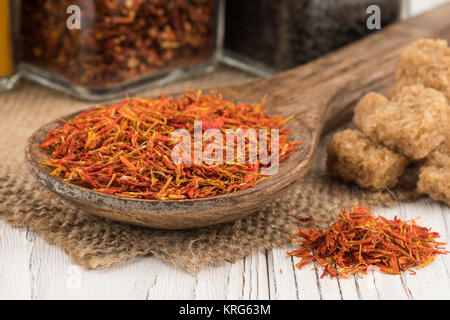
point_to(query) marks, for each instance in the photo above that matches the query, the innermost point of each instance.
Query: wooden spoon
(318, 93)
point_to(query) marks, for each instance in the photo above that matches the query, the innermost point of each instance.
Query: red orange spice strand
(359, 242)
(125, 149)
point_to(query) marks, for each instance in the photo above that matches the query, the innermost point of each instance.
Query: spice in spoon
(126, 149)
(360, 242)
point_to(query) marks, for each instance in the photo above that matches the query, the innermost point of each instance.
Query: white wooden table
(32, 269)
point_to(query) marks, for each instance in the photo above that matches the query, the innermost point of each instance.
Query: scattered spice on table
(125, 149)
(118, 40)
(360, 242)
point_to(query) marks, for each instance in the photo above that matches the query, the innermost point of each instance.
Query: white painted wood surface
(414, 7)
(32, 269)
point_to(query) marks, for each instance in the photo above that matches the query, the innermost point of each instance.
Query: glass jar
(267, 36)
(103, 49)
(9, 32)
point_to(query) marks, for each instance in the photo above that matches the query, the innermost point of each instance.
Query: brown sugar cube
(353, 157)
(391, 91)
(439, 158)
(371, 107)
(426, 62)
(430, 116)
(414, 122)
(434, 177)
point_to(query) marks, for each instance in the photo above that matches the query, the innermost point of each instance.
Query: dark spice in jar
(286, 33)
(119, 40)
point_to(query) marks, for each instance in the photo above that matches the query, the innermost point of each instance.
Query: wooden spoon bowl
(318, 93)
(169, 214)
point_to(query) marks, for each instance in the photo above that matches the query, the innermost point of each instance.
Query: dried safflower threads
(126, 149)
(360, 242)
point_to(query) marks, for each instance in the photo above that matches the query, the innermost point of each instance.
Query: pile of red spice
(125, 149)
(119, 40)
(360, 242)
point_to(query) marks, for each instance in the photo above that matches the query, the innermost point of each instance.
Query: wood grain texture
(317, 93)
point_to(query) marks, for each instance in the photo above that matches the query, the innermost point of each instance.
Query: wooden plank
(390, 287)
(244, 280)
(15, 261)
(348, 289)
(283, 284)
(213, 282)
(380, 286)
(307, 282)
(54, 277)
(329, 287)
(171, 282)
(255, 284)
(433, 281)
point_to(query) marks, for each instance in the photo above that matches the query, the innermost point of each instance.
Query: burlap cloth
(94, 242)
